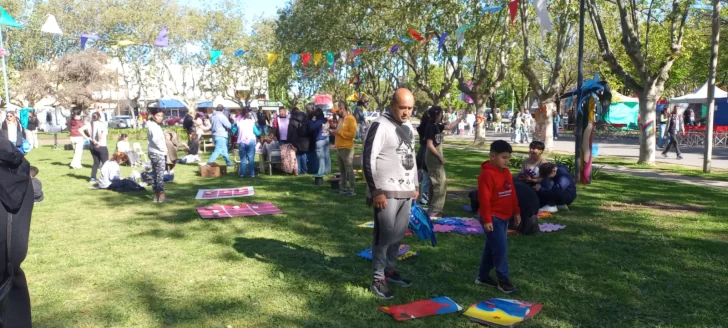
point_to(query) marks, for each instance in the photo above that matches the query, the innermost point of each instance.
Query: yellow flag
(272, 59)
(317, 58)
(125, 43)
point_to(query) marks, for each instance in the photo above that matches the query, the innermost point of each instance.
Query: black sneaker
(506, 286)
(395, 278)
(487, 281)
(381, 290)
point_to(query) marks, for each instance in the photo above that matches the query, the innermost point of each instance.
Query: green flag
(7, 20)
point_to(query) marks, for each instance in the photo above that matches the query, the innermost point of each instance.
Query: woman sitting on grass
(530, 168)
(111, 171)
(122, 146)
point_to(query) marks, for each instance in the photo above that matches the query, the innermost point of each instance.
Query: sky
(253, 8)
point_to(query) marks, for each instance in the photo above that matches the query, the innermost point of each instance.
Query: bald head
(403, 102)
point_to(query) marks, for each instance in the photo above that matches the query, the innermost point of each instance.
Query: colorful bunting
(543, 16)
(394, 49)
(416, 35)
(239, 53)
(442, 41)
(355, 53)
(86, 37)
(405, 40)
(492, 9)
(7, 20)
(306, 57)
(330, 59)
(162, 39)
(294, 59)
(272, 59)
(51, 26)
(462, 29)
(317, 58)
(513, 9)
(214, 56)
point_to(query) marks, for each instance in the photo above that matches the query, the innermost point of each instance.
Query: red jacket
(496, 194)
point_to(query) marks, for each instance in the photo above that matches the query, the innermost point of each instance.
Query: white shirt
(13, 133)
(122, 146)
(98, 131)
(109, 171)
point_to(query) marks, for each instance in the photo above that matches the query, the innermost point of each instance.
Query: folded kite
(403, 254)
(421, 225)
(501, 312)
(424, 308)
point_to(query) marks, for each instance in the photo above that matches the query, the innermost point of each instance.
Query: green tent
(623, 110)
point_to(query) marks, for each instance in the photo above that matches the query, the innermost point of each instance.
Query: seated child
(111, 171)
(37, 186)
(530, 168)
(558, 188)
(498, 203)
(122, 146)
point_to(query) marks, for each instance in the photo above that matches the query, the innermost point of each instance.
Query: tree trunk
(480, 105)
(545, 126)
(648, 100)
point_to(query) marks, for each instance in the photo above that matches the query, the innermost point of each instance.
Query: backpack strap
(7, 284)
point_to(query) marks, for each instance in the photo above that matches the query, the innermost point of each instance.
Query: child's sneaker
(381, 290)
(349, 193)
(487, 281)
(506, 286)
(550, 209)
(395, 278)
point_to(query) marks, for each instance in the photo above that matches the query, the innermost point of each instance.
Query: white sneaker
(550, 209)
(563, 207)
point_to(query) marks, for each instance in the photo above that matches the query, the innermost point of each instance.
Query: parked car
(121, 122)
(174, 121)
(371, 116)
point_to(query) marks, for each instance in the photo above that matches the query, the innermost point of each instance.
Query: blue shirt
(220, 124)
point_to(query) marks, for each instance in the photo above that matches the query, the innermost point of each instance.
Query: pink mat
(231, 211)
(550, 227)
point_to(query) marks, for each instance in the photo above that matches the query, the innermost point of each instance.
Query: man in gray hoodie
(220, 127)
(388, 160)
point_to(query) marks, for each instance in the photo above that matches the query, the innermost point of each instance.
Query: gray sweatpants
(390, 224)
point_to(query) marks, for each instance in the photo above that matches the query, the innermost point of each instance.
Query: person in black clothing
(435, 159)
(299, 138)
(263, 121)
(16, 196)
(557, 190)
(674, 126)
(193, 140)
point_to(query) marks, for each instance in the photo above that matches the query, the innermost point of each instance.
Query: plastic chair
(274, 157)
(138, 149)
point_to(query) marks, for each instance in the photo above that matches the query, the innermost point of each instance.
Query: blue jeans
(221, 148)
(661, 139)
(302, 166)
(312, 161)
(247, 158)
(425, 186)
(495, 254)
(556, 129)
(323, 154)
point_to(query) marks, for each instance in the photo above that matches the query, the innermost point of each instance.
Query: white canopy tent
(699, 97)
(229, 104)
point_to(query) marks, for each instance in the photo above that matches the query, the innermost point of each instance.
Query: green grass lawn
(104, 259)
(715, 174)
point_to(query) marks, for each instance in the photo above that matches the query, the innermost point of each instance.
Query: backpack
(420, 224)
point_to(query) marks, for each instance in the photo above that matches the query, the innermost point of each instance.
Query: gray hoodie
(388, 158)
(155, 135)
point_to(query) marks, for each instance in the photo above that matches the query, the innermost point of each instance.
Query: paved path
(611, 149)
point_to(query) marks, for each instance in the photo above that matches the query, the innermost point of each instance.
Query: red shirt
(75, 126)
(496, 194)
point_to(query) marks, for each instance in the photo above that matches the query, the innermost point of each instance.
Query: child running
(498, 203)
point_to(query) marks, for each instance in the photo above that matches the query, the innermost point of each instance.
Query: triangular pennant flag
(7, 20)
(355, 53)
(294, 59)
(415, 35)
(460, 39)
(305, 57)
(51, 26)
(442, 41)
(124, 43)
(405, 40)
(513, 9)
(492, 9)
(162, 39)
(462, 29)
(86, 37)
(317, 57)
(83, 42)
(272, 59)
(239, 53)
(394, 49)
(543, 16)
(214, 56)
(333, 66)
(330, 59)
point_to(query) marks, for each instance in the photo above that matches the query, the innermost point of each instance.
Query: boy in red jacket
(498, 203)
